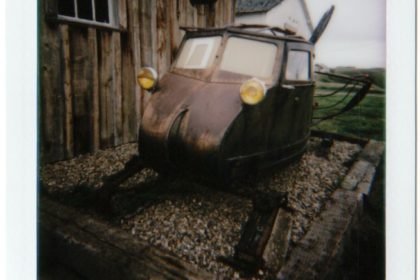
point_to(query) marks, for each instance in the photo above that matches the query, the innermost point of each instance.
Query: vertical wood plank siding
(89, 97)
(81, 72)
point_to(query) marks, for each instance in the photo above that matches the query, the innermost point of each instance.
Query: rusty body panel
(196, 122)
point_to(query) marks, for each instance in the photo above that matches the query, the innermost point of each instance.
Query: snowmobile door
(297, 88)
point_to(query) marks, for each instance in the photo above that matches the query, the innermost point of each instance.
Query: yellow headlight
(147, 78)
(252, 91)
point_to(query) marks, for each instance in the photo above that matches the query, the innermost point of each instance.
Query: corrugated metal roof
(255, 6)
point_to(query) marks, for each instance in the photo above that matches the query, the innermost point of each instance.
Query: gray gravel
(199, 223)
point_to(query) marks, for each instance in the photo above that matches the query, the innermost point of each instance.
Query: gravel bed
(88, 169)
(199, 223)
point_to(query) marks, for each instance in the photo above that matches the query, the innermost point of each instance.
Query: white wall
(259, 18)
(289, 11)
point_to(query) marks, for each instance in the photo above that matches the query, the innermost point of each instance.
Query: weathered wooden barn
(90, 54)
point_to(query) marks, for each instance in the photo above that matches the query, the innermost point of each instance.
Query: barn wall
(89, 98)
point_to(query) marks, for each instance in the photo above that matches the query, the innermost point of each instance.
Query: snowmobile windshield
(249, 57)
(198, 53)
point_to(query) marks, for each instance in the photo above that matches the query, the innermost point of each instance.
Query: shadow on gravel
(126, 201)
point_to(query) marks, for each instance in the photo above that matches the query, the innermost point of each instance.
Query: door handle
(288, 87)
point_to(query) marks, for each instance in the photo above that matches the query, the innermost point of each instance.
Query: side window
(298, 66)
(99, 12)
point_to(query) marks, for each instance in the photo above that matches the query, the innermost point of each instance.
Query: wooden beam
(316, 255)
(96, 250)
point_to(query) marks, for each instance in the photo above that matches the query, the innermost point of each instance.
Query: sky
(355, 35)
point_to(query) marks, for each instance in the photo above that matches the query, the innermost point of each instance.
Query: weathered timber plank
(153, 27)
(163, 40)
(277, 246)
(218, 10)
(134, 22)
(182, 19)
(68, 92)
(122, 14)
(49, 9)
(182, 16)
(147, 42)
(97, 250)
(52, 98)
(190, 12)
(356, 174)
(368, 160)
(221, 14)
(211, 15)
(82, 89)
(117, 88)
(230, 15)
(106, 89)
(316, 255)
(366, 182)
(373, 151)
(177, 19)
(173, 28)
(201, 15)
(146, 32)
(128, 92)
(194, 13)
(129, 84)
(93, 54)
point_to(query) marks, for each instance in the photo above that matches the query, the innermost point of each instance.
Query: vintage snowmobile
(236, 99)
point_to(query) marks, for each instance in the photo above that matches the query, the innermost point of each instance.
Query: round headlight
(147, 78)
(252, 91)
